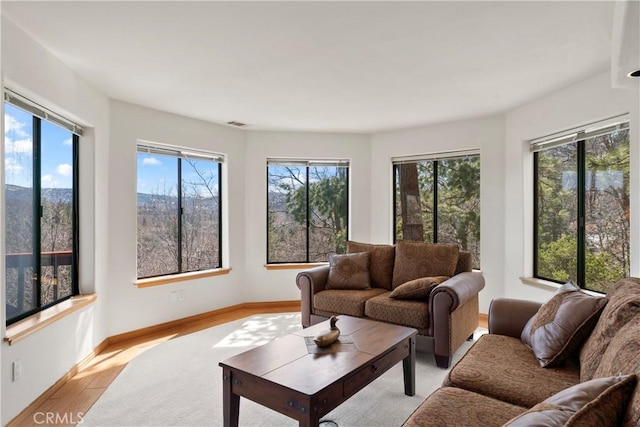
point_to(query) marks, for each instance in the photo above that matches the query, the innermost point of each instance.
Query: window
(306, 210)
(179, 211)
(581, 206)
(41, 202)
(437, 199)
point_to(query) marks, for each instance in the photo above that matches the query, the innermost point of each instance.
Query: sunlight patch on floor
(261, 329)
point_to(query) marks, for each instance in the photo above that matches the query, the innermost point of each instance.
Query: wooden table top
(295, 362)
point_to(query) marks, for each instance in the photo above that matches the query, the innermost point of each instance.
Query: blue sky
(57, 151)
(158, 174)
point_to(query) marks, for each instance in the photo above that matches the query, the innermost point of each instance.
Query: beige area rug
(178, 383)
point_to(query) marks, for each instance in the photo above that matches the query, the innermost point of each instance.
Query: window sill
(294, 266)
(552, 286)
(32, 324)
(540, 283)
(164, 280)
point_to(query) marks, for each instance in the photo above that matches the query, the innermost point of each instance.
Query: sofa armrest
(508, 316)
(310, 282)
(453, 307)
(460, 289)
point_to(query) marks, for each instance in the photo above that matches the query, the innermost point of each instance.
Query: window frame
(307, 164)
(39, 115)
(180, 154)
(579, 136)
(435, 159)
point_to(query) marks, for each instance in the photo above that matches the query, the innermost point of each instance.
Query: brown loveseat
(501, 381)
(429, 287)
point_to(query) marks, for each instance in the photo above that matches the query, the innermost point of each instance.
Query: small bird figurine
(329, 336)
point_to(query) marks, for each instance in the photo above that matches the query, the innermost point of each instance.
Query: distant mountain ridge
(16, 193)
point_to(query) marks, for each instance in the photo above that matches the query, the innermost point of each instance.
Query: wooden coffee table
(293, 376)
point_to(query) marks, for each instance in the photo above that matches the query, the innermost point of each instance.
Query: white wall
(584, 102)
(131, 307)
(277, 285)
(48, 354)
(485, 134)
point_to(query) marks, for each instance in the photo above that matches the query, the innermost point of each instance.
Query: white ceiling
(325, 66)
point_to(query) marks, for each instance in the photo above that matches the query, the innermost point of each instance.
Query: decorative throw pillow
(349, 271)
(418, 289)
(562, 324)
(595, 403)
(418, 259)
(381, 258)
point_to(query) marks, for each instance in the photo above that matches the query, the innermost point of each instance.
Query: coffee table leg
(230, 401)
(409, 369)
(310, 421)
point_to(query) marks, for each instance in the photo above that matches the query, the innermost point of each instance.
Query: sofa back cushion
(418, 259)
(465, 262)
(622, 357)
(623, 305)
(381, 259)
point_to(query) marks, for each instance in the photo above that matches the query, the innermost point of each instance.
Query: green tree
(326, 216)
(327, 189)
(606, 207)
(558, 260)
(458, 202)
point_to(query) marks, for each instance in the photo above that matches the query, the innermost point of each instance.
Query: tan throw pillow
(349, 271)
(418, 259)
(562, 324)
(381, 258)
(418, 289)
(596, 403)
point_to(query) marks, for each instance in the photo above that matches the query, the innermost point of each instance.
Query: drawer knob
(374, 368)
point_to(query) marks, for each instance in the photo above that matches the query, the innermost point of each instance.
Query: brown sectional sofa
(500, 378)
(445, 318)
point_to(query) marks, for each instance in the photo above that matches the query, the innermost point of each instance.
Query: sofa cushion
(350, 302)
(449, 406)
(349, 271)
(596, 403)
(561, 325)
(418, 259)
(504, 368)
(465, 262)
(622, 357)
(414, 314)
(381, 259)
(418, 289)
(623, 305)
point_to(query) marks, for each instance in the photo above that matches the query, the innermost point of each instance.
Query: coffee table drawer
(374, 369)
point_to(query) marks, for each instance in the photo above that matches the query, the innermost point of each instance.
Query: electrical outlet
(174, 296)
(17, 370)
(181, 295)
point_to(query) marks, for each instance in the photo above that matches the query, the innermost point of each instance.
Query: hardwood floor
(65, 406)
(483, 321)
